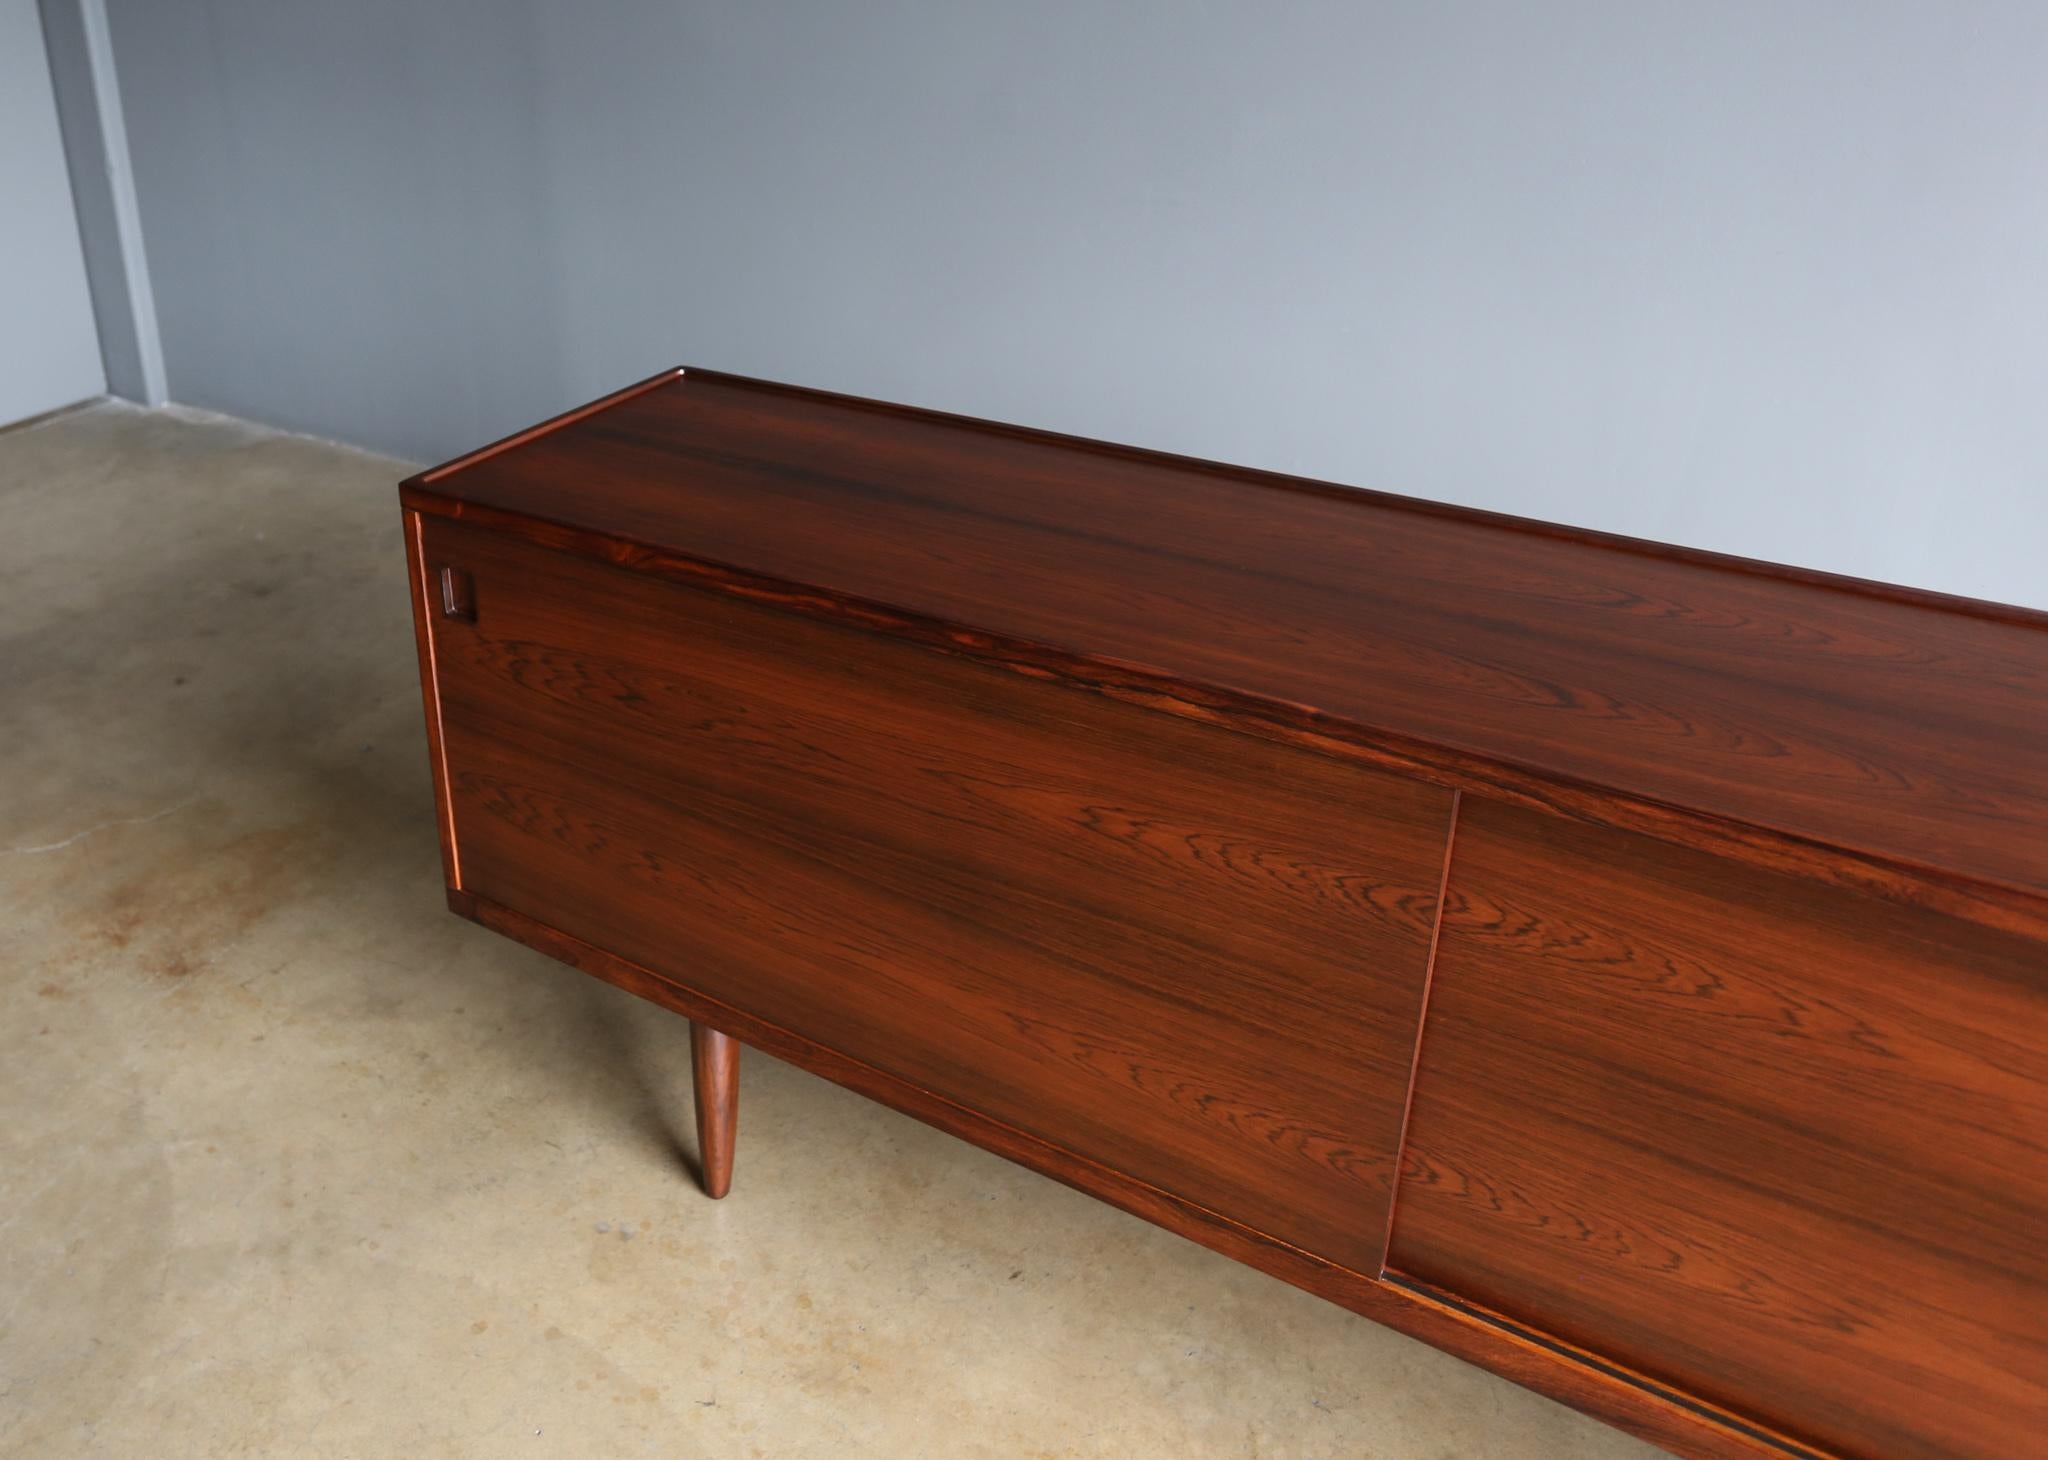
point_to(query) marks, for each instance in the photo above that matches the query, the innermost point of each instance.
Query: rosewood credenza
(1624, 967)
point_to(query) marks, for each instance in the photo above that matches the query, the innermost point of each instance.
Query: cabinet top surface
(1883, 721)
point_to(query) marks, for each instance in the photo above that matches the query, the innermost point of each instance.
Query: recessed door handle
(458, 595)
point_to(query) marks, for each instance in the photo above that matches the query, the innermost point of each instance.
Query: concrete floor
(293, 1162)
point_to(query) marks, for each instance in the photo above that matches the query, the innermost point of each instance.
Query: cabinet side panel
(423, 609)
(1777, 1145)
(1192, 956)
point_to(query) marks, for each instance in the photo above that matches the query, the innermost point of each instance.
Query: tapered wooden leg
(715, 1066)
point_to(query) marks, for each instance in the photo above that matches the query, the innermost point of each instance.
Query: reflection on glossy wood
(1097, 806)
(1682, 1424)
(1195, 957)
(1777, 1147)
(1856, 715)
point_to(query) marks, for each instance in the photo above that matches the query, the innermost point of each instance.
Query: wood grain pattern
(1192, 956)
(1777, 1147)
(1682, 1424)
(1040, 788)
(1908, 884)
(1890, 724)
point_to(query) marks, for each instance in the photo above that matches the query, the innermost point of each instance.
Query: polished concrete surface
(294, 1163)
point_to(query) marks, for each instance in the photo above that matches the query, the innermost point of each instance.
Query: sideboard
(1622, 966)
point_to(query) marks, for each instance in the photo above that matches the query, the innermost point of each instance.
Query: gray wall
(1764, 277)
(103, 191)
(49, 354)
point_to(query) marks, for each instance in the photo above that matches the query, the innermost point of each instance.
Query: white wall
(49, 353)
(1759, 276)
